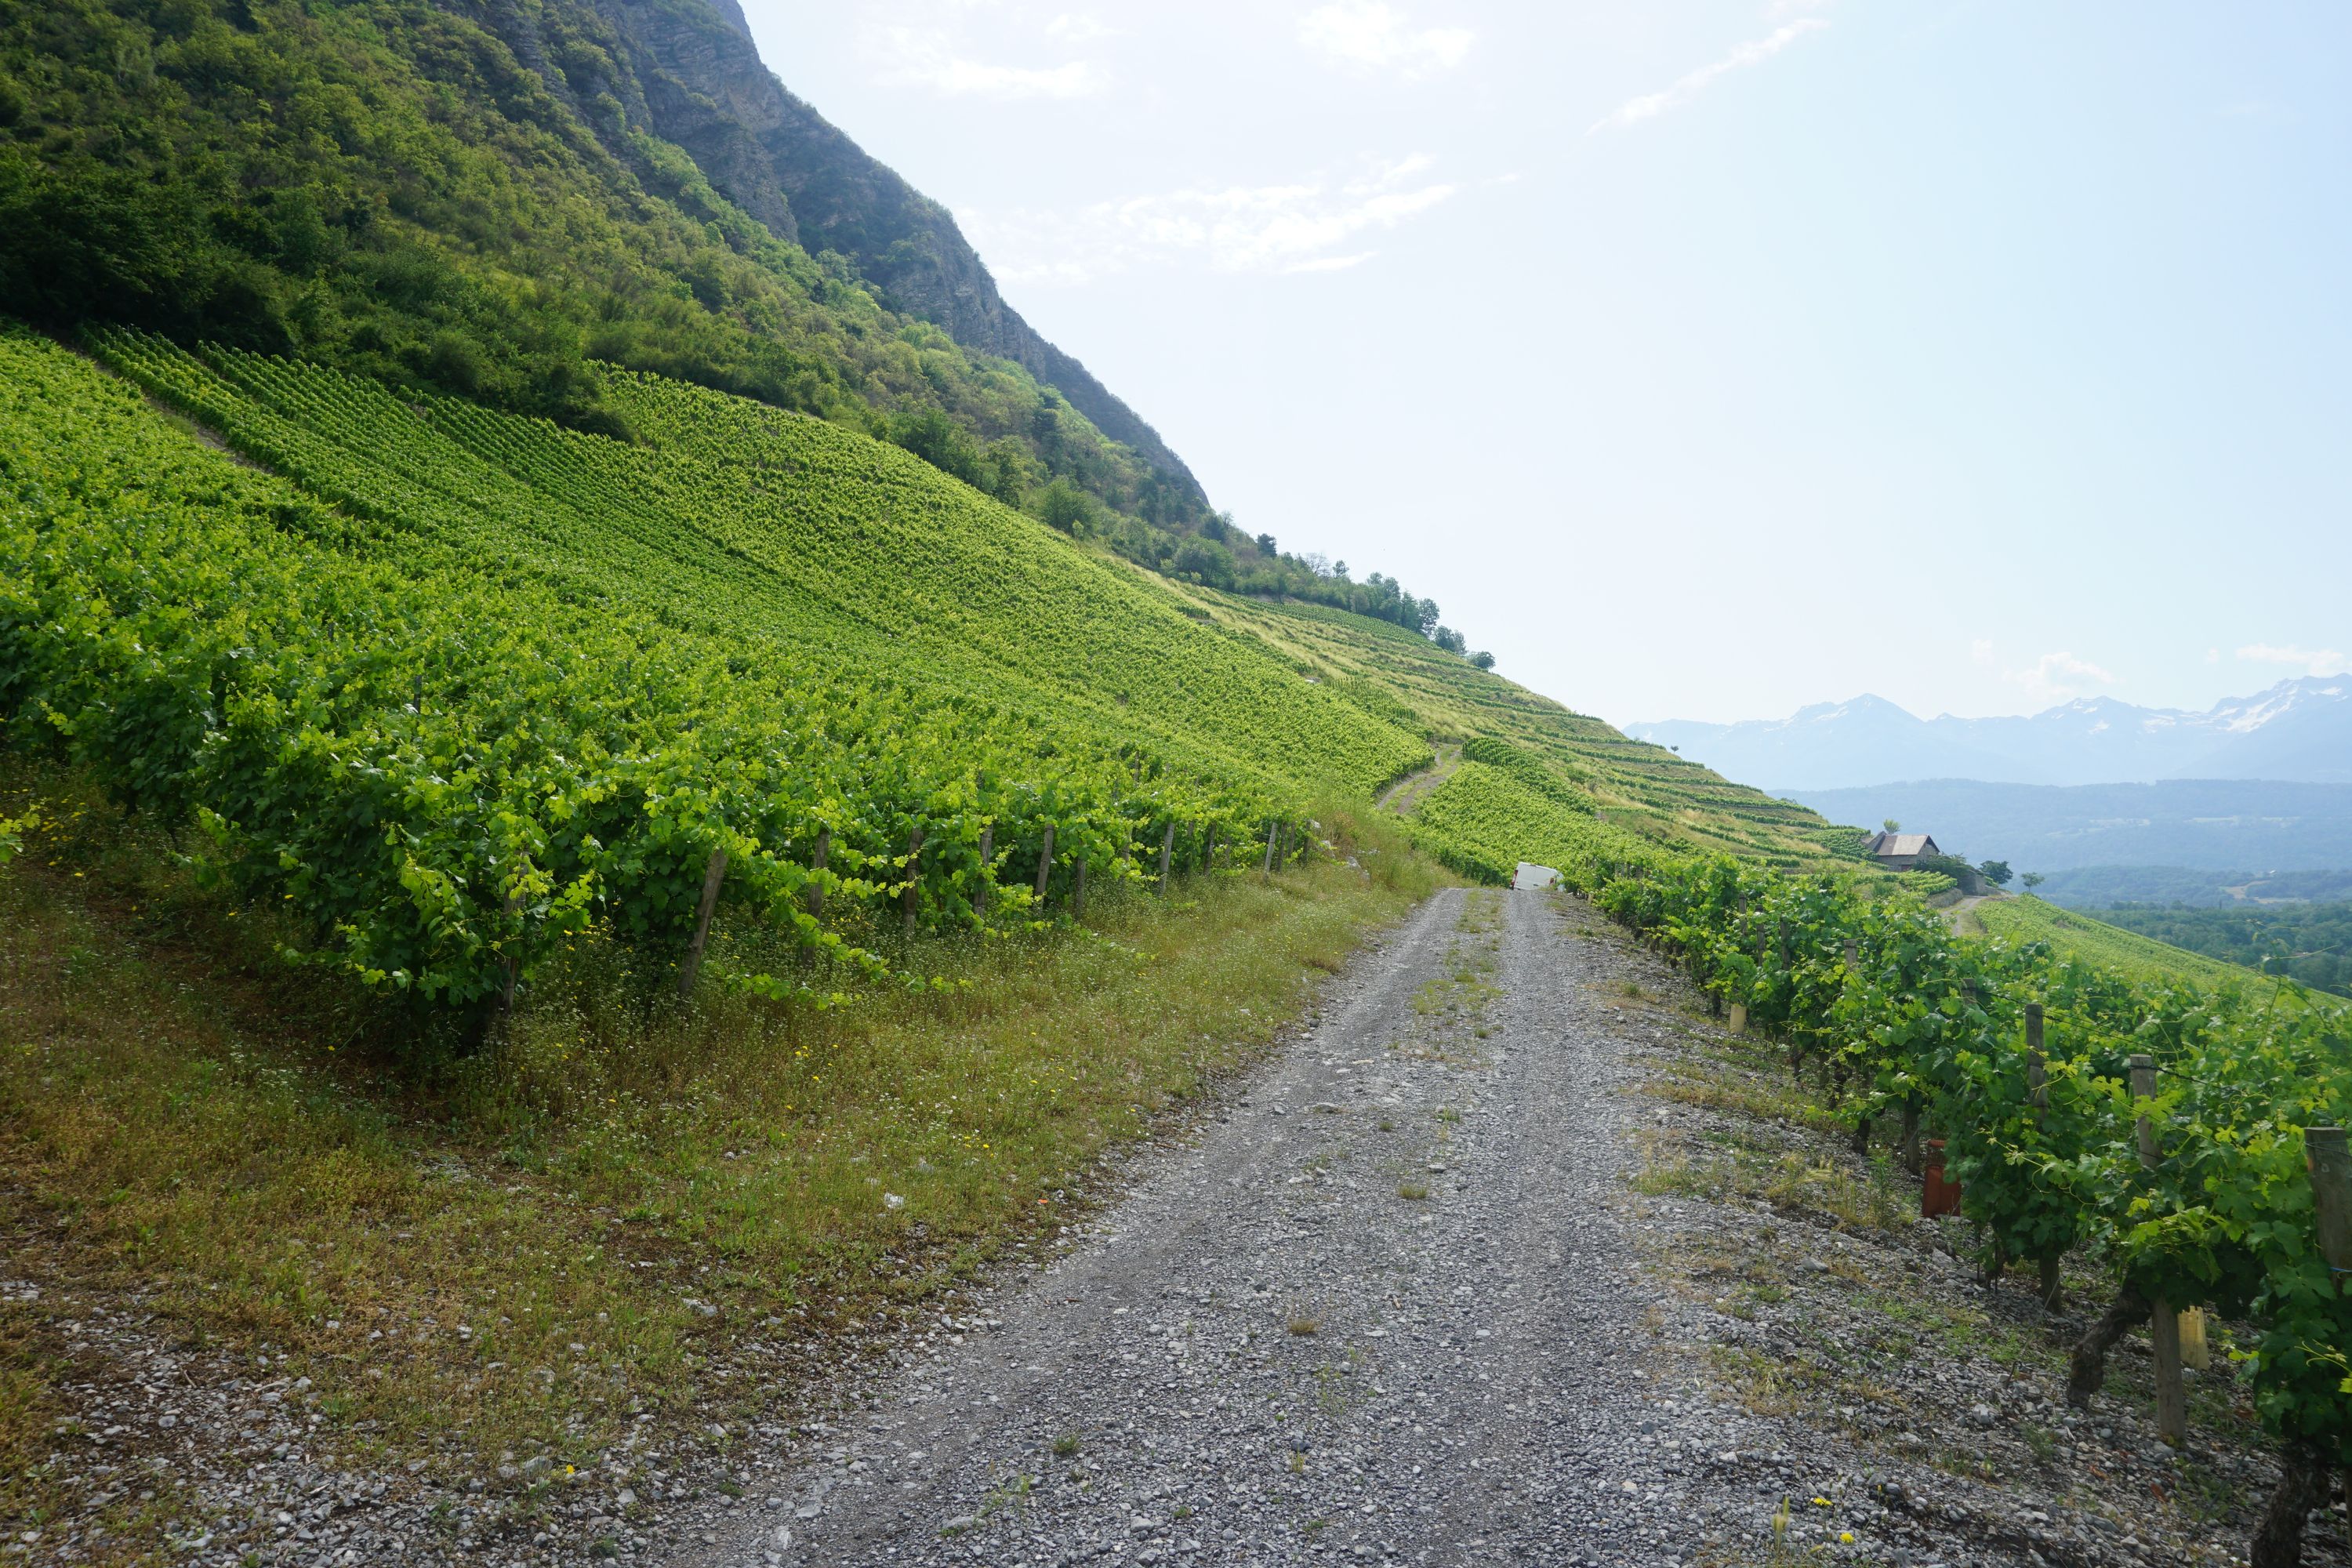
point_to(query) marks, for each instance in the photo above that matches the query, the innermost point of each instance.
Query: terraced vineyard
(454, 685)
(1639, 799)
(745, 521)
(2140, 959)
(460, 715)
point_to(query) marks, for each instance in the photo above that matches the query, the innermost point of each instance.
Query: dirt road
(1385, 1310)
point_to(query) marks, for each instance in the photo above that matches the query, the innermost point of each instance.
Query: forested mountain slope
(702, 85)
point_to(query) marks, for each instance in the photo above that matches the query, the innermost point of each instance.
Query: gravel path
(1385, 1309)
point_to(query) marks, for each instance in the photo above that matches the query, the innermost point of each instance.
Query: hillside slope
(1538, 781)
(482, 199)
(833, 636)
(505, 202)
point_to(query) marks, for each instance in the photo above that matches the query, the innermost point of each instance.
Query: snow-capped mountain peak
(2300, 730)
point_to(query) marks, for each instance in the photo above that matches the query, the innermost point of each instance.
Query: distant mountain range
(2298, 731)
(2104, 887)
(2212, 825)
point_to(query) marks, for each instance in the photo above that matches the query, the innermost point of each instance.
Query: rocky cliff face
(689, 70)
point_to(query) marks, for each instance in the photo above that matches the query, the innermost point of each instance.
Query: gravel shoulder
(1514, 1259)
(1384, 1309)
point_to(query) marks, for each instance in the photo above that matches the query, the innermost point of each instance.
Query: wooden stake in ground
(1044, 864)
(914, 876)
(2163, 1322)
(816, 864)
(2330, 1162)
(1078, 889)
(987, 855)
(2037, 1074)
(514, 969)
(1167, 848)
(1271, 829)
(713, 875)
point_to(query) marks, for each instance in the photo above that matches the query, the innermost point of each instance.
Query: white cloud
(1297, 228)
(1077, 27)
(934, 44)
(1369, 34)
(2313, 661)
(926, 59)
(2058, 678)
(1756, 51)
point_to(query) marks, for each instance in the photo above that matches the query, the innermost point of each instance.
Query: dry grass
(1869, 1198)
(1715, 1084)
(704, 1199)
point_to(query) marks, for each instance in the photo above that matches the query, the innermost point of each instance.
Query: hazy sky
(1701, 360)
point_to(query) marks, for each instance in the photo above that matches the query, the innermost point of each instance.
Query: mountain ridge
(774, 155)
(2210, 824)
(2298, 731)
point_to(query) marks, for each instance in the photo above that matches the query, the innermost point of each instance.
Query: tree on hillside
(1206, 559)
(2032, 881)
(1483, 659)
(1996, 872)
(1063, 506)
(1892, 826)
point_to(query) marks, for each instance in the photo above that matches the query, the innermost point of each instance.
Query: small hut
(1900, 851)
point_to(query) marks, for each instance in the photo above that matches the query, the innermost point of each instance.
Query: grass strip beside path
(620, 1209)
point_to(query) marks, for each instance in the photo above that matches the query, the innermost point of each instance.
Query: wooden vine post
(1271, 829)
(513, 967)
(1078, 888)
(909, 898)
(2325, 1151)
(1044, 864)
(713, 875)
(2037, 1071)
(2163, 1322)
(1167, 848)
(816, 864)
(987, 855)
(1796, 1050)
